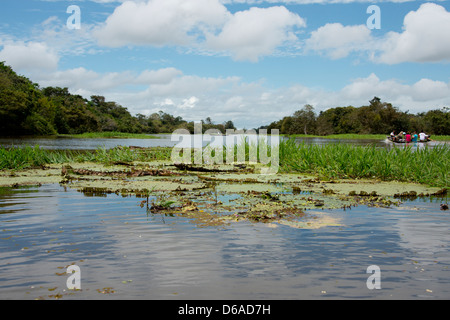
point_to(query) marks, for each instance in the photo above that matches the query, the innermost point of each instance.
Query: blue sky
(250, 61)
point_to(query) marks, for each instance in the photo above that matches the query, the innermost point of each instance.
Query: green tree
(304, 120)
(229, 125)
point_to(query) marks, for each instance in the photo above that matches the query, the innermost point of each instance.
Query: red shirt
(408, 137)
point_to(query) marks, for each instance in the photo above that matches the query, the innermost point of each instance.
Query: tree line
(376, 118)
(27, 109)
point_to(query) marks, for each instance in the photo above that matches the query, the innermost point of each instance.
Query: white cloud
(256, 32)
(31, 56)
(55, 33)
(159, 22)
(80, 80)
(337, 40)
(428, 90)
(425, 37)
(189, 103)
(417, 97)
(157, 76)
(200, 24)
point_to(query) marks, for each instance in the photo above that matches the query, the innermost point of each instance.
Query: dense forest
(376, 118)
(27, 109)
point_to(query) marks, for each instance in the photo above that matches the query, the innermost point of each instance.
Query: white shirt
(422, 136)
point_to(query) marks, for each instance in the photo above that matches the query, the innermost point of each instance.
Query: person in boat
(400, 136)
(393, 136)
(408, 137)
(422, 136)
(414, 137)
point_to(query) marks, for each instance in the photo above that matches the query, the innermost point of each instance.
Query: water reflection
(59, 143)
(142, 256)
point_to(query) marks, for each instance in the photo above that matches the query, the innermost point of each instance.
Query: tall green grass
(33, 156)
(422, 165)
(441, 138)
(28, 156)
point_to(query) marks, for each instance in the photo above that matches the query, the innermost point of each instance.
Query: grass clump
(33, 156)
(425, 165)
(28, 156)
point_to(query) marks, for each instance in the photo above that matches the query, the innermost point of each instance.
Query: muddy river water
(125, 250)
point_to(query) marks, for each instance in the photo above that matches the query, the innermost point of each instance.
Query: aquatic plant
(34, 156)
(28, 156)
(331, 161)
(424, 165)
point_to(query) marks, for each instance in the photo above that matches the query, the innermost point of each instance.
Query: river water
(124, 252)
(167, 140)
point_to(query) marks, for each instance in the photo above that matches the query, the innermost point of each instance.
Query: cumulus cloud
(337, 40)
(425, 37)
(201, 24)
(87, 82)
(255, 32)
(189, 103)
(31, 56)
(159, 22)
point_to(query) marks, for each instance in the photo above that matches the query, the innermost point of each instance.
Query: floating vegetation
(326, 162)
(310, 178)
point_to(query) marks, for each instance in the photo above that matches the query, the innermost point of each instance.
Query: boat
(404, 140)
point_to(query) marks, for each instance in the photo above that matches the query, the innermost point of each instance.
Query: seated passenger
(422, 136)
(408, 137)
